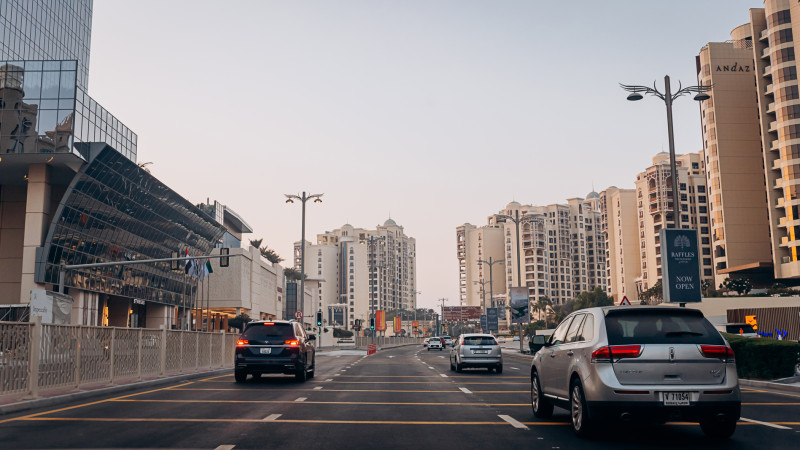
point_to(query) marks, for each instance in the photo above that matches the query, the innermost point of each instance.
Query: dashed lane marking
(430, 367)
(272, 416)
(443, 375)
(318, 388)
(514, 422)
(465, 390)
(766, 424)
(225, 447)
(301, 399)
(329, 379)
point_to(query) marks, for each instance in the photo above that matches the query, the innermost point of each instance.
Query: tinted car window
(264, 332)
(587, 332)
(572, 333)
(561, 331)
(734, 329)
(660, 327)
(479, 340)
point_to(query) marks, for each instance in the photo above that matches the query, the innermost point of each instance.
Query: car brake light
(617, 351)
(241, 342)
(269, 323)
(717, 351)
(293, 343)
(461, 341)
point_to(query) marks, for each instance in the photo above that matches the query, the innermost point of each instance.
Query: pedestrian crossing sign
(625, 301)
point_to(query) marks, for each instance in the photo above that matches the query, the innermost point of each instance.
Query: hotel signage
(680, 266)
(733, 68)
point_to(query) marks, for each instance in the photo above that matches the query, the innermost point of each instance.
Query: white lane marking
(336, 374)
(441, 357)
(443, 375)
(465, 390)
(390, 356)
(301, 399)
(225, 447)
(515, 423)
(318, 388)
(272, 417)
(329, 379)
(430, 367)
(766, 424)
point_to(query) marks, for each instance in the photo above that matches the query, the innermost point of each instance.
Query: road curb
(770, 385)
(89, 394)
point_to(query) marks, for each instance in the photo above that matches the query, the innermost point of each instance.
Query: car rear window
(479, 340)
(734, 328)
(660, 327)
(260, 332)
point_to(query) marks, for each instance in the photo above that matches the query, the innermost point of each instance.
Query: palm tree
(542, 305)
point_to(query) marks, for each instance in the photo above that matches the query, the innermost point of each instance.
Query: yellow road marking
(33, 416)
(416, 376)
(770, 392)
(771, 404)
(364, 422)
(356, 390)
(214, 378)
(323, 403)
(423, 382)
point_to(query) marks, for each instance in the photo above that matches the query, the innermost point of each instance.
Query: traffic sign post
(298, 315)
(625, 301)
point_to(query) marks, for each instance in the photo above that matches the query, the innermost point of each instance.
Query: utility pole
(439, 331)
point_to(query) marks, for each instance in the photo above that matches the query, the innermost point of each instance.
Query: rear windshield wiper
(684, 333)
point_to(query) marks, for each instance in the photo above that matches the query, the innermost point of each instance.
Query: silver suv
(637, 363)
(476, 350)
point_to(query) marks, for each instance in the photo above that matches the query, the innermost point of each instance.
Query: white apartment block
(476, 283)
(621, 238)
(654, 202)
(362, 271)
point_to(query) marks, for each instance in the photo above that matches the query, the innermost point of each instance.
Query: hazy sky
(437, 113)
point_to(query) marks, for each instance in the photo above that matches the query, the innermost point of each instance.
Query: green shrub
(339, 333)
(763, 358)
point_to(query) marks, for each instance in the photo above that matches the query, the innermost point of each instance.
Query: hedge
(763, 358)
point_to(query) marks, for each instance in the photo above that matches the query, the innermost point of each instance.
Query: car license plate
(480, 352)
(676, 398)
(266, 351)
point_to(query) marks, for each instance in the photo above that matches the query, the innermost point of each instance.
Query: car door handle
(570, 353)
(552, 354)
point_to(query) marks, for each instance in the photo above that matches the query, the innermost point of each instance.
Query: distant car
(435, 343)
(425, 342)
(637, 363)
(516, 338)
(447, 341)
(476, 350)
(739, 329)
(274, 346)
(501, 340)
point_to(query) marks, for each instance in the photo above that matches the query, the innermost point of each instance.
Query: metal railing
(384, 341)
(36, 357)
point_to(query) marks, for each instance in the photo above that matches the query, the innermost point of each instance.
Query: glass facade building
(115, 211)
(43, 110)
(47, 30)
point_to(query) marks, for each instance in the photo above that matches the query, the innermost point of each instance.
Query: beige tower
(477, 244)
(619, 211)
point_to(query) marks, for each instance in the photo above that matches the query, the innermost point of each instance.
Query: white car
(501, 340)
(436, 343)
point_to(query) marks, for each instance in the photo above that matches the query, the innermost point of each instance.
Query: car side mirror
(538, 342)
(312, 337)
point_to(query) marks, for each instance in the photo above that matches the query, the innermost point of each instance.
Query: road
(398, 398)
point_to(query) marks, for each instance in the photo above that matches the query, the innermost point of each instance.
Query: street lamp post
(491, 263)
(290, 198)
(516, 219)
(668, 97)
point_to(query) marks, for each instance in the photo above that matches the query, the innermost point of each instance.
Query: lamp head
(634, 96)
(317, 200)
(701, 96)
(288, 200)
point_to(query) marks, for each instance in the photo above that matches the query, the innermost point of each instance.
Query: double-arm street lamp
(668, 97)
(290, 198)
(491, 263)
(517, 219)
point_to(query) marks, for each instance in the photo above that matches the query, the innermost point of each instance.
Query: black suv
(274, 346)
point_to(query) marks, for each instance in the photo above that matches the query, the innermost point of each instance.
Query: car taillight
(241, 342)
(293, 343)
(617, 352)
(717, 351)
(269, 323)
(461, 341)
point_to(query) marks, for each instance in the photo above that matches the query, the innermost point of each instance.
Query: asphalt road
(399, 398)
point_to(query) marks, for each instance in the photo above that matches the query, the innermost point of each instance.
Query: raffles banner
(380, 320)
(397, 325)
(680, 266)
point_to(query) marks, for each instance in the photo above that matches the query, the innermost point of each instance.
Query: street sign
(491, 320)
(681, 267)
(625, 301)
(298, 315)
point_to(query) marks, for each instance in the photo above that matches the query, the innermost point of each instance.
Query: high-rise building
(620, 224)
(477, 286)
(362, 271)
(655, 211)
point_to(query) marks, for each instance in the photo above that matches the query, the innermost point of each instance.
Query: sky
(433, 113)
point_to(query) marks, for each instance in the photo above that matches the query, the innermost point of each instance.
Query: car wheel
(579, 413)
(240, 375)
(499, 368)
(429, 349)
(313, 367)
(459, 367)
(452, 367)
(301, 375)
(718, 430)
(542, 408)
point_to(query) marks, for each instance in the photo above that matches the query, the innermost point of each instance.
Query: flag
(193, 269)
(208, 267)
(203, 270)
(188, 262)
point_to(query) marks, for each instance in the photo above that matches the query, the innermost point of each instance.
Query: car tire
(313, 368)
(429, 349)
(718, 430)
(499, 368)
(581, 419)
(452, 367)
(459, 367)
(542, 408)
(240, 376)
(301, 375)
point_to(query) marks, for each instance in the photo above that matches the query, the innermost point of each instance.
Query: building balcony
(780, 202)
(775, 145)
(776, 165)
(765, 53)
(778, 184)
(773, 126)
(764, 34)
(785, 241)
(767, 71)
(771, 108)
(768, 89)
(782, 222)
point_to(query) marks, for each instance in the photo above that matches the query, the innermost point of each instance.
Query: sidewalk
(791, 384)
(11, 404)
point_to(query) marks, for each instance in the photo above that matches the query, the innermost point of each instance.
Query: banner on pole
(380, 320)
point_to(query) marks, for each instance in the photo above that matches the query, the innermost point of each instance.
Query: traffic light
(372, 323)
(319, 318)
